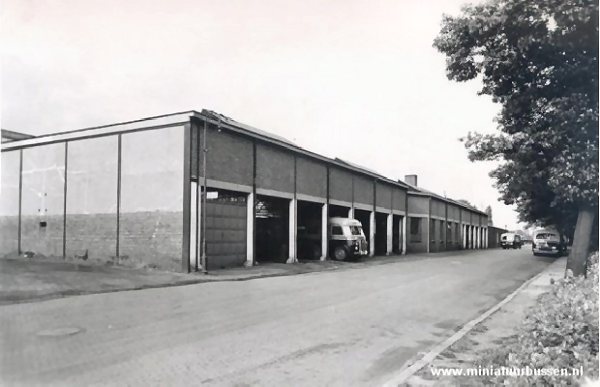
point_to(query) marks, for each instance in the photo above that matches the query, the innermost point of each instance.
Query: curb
(408, 371)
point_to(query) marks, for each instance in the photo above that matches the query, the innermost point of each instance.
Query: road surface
(350, 327)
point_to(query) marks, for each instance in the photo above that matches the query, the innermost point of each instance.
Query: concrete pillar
(390, 234)
(324, 230)
(194, 229)
(249, 230)
(403, 234)
(371, 234)
(428, 231)
(485, 238)
(351, 213)
(477, 237)
(292, 232)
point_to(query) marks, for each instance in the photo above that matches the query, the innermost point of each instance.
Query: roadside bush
(561, 331)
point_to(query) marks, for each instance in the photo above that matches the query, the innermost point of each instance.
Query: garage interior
(272, 229)
(397, 237)
(338, 211)
(441, 235)
(308, 230)
(381, 233)
(433, 246)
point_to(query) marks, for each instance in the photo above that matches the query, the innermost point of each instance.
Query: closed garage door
(225, 229)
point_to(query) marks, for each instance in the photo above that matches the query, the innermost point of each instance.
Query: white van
(346, 238)
(510, 240)
(547, 242)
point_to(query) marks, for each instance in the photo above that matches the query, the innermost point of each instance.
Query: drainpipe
(203, 258)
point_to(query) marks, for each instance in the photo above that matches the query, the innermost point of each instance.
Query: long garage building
(133, 193)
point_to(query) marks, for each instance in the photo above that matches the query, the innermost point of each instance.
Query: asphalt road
(349, 327)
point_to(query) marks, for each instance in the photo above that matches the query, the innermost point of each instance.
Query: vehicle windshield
(545, 236)
(355, 230)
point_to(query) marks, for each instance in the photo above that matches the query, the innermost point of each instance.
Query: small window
(336, 230)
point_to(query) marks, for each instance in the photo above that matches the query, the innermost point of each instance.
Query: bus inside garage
(364, 217)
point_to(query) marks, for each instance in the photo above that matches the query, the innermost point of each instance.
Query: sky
(354, 79)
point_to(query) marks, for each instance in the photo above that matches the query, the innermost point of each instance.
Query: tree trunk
(581, 242)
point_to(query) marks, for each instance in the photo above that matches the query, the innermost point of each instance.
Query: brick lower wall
(416, 247)
(92, 234)
(152, 238)
(9, 235)
(42, 240)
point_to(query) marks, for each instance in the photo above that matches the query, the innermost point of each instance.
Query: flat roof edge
(180, 118)
(104, 130)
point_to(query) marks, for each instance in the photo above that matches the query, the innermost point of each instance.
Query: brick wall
(152, 238)
(94, 233)
(274, 169)
(384, 196)
(46, 241)
(9, 234)
(311, 178)
(363, 190)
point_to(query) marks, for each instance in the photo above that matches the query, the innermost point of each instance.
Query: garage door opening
(272, 229)
(225, 228)
(364, 218)
(467, 237)
(380, 233)
(340, 211)
(433, 246)
(309, 230)
(397, 235)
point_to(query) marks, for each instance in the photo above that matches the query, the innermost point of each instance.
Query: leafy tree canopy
(539, 61)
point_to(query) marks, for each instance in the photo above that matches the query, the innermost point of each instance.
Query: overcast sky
(353, 79)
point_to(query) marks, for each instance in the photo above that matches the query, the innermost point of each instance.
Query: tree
(539, 61)
(488, 211)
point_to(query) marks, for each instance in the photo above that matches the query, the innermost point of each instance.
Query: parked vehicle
(346, 239)
(510, 240)
(548, 242)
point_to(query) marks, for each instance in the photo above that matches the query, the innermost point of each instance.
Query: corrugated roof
(358, 166)
(169, 119)
(223, 118)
